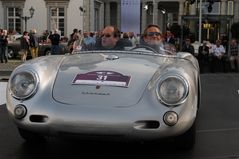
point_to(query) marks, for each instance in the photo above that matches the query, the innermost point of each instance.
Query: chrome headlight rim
(178, 77)
(33, 92)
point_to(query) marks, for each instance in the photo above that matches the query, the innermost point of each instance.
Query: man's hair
(116, 31)
(25, 32)
(149, 26)
(218, 41)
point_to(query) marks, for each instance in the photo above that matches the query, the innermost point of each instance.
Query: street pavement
(217, 128)
(5, 71)
(7, 68)
(3, 92)
(216, 137)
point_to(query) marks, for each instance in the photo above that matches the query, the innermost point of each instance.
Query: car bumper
(135, 122)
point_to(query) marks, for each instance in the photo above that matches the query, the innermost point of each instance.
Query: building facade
(93, 15)
(216, 21)
(48, 15)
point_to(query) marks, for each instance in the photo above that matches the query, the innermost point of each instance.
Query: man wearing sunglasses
(152, 36)
(109, 40)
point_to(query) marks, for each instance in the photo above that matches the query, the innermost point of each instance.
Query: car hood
(103, 79)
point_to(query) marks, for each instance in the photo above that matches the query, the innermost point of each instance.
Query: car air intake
(38, 118)
(146, 124)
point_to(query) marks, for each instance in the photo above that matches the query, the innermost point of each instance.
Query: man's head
(75, 30)
(169, 34)
(110, 36)
(234, 42)
(218, 42)
(4, 32)
(56, 31)
(34, 31)
(152, 35)
(187, 41)
(86, 34)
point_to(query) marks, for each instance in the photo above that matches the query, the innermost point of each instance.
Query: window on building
(230, 9)
(13, 20)
(97, 15)
(215, 10)
(57, 16)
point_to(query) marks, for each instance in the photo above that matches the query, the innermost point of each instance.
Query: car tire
(188, 139)
(31, 137)
(47, 52)
(10, 53)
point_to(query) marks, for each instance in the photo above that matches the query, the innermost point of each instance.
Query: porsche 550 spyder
(135, 94)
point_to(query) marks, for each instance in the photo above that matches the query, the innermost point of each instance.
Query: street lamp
(26, 18)
(200, 22)
(83, 12)
(149, 7)
(82, 9)
(164, 13)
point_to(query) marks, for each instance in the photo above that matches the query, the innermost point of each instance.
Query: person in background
(34, 43)
(3, 45)
(126, 41)
(188, 47)
(24, 43)
(133, 38)
(169, 38)
(234, 55)
(74, 35)
(77, 44)
(45, 36)
(88, 42)
(55, 40)
(203, 57)
(218, 52)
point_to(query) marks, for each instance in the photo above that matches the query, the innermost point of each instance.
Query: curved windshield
(165, 49)
(110, 38)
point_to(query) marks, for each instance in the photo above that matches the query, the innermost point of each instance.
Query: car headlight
(24, 84)
(172, 90)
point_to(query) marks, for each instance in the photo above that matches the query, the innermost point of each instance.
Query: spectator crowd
(212, 57)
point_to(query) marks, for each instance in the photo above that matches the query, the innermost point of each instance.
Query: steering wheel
(145, 47)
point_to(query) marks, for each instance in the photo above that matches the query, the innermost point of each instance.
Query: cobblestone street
(10, 65)
(7, 68)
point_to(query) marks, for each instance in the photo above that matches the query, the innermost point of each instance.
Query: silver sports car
(136, 94)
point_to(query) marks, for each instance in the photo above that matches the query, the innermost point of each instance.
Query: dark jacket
(188, 48)
(55, 39)
(203, 53)
(24, 43)
(119, 45)
(3, 41)
(33, 40)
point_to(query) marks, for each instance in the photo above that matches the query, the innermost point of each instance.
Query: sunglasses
(106, 35)
(153, 34)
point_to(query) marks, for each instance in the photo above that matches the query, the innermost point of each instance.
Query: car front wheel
(31, 137)
(187, 140)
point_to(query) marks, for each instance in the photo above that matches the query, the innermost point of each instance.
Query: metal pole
(165, 22)
(153, 11)
(25, 18)
(200, 22)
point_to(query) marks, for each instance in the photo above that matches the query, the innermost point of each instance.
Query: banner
(130, 16)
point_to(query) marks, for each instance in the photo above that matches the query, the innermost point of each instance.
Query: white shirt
(218, 51)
